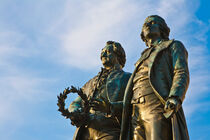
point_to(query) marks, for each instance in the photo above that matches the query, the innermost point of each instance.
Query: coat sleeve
(179, 58)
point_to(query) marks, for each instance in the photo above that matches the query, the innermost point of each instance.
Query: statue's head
(154, 25)
(113, 53)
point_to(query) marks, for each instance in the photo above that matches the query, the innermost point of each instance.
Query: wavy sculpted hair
(119, 51)
(164, 29)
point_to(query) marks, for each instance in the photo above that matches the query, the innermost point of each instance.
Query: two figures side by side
(146, 105)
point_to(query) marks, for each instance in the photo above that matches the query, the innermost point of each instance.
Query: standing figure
(103, 91)
(156, 90)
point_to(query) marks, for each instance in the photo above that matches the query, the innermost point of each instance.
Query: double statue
(144, 105)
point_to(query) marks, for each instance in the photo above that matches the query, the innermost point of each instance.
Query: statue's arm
(179, 60)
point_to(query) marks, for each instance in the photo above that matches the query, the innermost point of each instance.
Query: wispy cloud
(83, 36)
(15, 91)
(89, 32)
(20, 86)
(101, 21)
(74, 32)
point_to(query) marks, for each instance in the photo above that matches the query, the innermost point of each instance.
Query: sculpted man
(103, 91)
(156, 90)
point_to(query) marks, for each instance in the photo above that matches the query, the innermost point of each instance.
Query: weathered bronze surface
(153, 94)
(71, 115)
(103, 118)
(152, 106)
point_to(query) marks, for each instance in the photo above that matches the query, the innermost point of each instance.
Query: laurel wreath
(62, 97)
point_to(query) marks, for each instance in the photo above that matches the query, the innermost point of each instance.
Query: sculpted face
(151, 28)
(108, 57)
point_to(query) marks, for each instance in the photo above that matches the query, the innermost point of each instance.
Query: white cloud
(85, 27)
(101, 21)
(81, 31)
(190, 109)
(15, 90)
(19, 86)
(97, 24)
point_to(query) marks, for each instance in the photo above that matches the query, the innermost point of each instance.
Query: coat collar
(112, 73)
(161, 46)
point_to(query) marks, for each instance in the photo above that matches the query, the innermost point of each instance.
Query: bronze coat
(169, 76)
(115, 84)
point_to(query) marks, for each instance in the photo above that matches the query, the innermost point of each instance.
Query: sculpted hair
(164, 29)
(119, 51)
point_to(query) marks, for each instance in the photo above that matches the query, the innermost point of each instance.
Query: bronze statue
(155, 92)
(102, 118)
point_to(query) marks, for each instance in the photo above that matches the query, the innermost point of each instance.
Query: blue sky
(48, 45)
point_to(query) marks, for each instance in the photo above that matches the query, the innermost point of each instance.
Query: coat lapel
(113, 84)
(158, 49)
(163, 45)
(144, 55)
(93, 85)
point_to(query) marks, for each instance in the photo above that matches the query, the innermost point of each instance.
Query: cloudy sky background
(48, 45)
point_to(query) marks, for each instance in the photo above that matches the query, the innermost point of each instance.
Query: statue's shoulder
(177, 46)
(90, 83)
(173, 45)
(120, 74)
(126, 75)
(166, 43)
(92, 80)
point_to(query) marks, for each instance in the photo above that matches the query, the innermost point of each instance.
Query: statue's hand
(172, 105)
(78, 117)
(100, 105)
